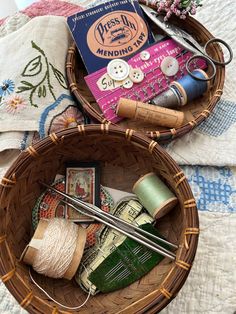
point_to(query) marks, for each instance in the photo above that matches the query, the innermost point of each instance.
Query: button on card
(118, 69)
(128, 83)
(169, 66)
(136, 75)
(145, 55)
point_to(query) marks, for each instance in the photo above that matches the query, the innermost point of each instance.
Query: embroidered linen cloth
(20, 140)
(33, 88)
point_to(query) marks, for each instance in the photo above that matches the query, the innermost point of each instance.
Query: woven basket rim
(163, 135)
(179, 271)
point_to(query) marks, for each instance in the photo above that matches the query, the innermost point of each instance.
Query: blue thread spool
(189, 88)
(184, 90)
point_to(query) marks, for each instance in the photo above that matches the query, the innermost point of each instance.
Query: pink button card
(107, 92)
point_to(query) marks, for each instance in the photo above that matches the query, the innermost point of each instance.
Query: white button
(128, 83)
(145, 55)
(170, 66)
(136, 75)
(118, 69)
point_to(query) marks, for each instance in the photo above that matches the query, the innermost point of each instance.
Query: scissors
(189, 43)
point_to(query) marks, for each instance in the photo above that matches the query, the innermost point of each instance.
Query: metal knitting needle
(133, 232)
(137, 237)
(81, 221)
(106, 214)
(136, 228)
(97, 211)
(104, 219)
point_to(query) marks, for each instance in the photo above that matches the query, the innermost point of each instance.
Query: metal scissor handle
(218, 40)
(208, 61)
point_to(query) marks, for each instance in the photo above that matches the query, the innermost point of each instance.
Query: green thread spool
(154, 195)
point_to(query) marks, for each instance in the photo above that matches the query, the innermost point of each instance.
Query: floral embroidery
(33, 68)
(14, 104)
(70, 117)
(63, 101)
(6, 88)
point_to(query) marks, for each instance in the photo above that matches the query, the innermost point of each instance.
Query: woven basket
(124, 157)
(196, 111)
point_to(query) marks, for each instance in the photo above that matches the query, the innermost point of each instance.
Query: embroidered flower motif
(14, 104)
(71, 117)
(6, 88)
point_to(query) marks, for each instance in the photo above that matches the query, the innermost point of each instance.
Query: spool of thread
(154, 195)
(56, 248)
(183, 91)
(136, 110)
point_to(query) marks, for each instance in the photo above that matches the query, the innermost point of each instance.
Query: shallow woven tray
(124, 158)
(196, 111)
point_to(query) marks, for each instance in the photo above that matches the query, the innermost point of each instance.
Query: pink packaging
(107, 92)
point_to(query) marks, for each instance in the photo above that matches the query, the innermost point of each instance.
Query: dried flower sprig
(180, 8)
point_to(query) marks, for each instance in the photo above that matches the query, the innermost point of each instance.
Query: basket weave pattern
(196, 112)
(124, 156)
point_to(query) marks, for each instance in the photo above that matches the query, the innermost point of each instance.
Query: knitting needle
(103, 219)
(97, 211)
(112, 217)
(139, 238)
(81, 221)
(133, 232)
(138, 229)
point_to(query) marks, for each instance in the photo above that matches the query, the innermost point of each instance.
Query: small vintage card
(114, 29)
(83, 182)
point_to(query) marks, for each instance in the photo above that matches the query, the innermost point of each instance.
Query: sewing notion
(154, 195)
(149, 113)
(111, 30)
(56, 248)
(83, 182)
(183, 91)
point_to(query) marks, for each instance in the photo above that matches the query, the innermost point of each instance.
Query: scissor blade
(175, 32)
(153, 15)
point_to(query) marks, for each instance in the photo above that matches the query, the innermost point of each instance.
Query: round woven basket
(124, 157)
(195, 112)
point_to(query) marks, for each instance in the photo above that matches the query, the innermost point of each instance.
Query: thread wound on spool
(154, 195)
(184, 90)
(191, 88)
(56, 248)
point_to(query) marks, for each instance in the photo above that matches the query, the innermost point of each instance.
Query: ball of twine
(56, 249)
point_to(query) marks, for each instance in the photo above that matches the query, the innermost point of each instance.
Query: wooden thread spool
(154, 195)
(29, 254)
(136, 110)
